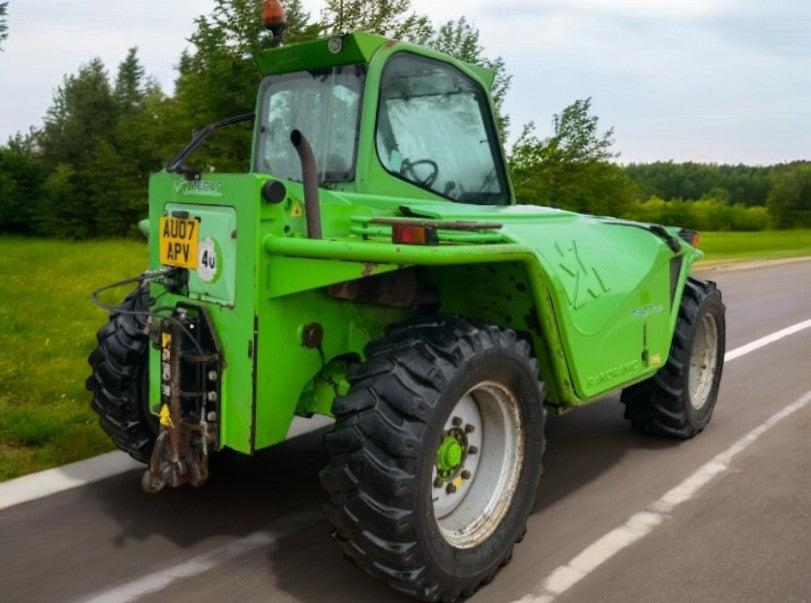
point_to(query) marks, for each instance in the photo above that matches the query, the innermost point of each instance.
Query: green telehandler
(373, 266)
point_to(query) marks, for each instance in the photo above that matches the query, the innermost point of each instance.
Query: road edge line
(643, 523)
(51, 481)
(33, 486)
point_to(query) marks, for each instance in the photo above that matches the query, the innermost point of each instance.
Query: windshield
(325, 105)
(435, 130)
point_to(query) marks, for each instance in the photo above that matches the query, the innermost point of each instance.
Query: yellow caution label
(457, 482)
(656, 359)
(296, 211)
(166, 340)
(166, 417)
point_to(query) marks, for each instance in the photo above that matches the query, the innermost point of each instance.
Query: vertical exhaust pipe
(309, 177)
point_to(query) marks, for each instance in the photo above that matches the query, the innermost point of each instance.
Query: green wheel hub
(450, 454)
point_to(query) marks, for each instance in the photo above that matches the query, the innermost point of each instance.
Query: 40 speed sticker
(209, 256)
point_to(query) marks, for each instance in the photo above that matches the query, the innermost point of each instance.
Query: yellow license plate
(178, 242)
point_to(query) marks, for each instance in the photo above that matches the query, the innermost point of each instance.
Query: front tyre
(435, 456)
(679, 399)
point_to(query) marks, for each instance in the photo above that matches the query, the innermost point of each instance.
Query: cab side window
(435, 130)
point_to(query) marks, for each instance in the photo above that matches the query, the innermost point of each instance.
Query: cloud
(661, 10)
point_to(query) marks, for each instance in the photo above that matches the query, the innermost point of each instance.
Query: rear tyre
(435, 456)
(679, 399)
(119, 380)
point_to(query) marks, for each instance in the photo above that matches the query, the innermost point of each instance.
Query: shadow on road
(583, 444)
(245, 495)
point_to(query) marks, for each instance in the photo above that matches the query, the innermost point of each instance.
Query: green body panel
(596, 297)
(212, 199)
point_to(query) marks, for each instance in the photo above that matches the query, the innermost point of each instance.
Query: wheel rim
(703, 361)
(477, 465)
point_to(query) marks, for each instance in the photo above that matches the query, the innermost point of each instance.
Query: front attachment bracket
(190, 377)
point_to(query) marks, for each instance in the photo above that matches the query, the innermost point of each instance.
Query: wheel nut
(212, 375)
(438, 482)
(469, 428)
(450, 489)
(472, 450)
(457, 421)
(465, 474)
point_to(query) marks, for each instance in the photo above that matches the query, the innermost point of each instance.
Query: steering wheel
(408, 166)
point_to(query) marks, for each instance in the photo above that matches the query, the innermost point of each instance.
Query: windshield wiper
(176, 164)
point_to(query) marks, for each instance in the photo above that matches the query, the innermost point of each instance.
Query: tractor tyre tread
(375, 445)
(660, 405)
(117, 381)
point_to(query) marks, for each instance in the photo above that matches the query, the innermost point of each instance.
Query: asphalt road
(254, 532)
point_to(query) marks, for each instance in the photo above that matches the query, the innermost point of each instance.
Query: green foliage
(767, 244)
(460, 39)
(570, 169)
(789, 200)
(65, 215)
(83, 112)
(748, 185)
(129, 82)
(218, 79)
(85, 172)
(3, 23)
(391, 18)
(21, 176)
(575, 139)
(47, 327)
(703, 215)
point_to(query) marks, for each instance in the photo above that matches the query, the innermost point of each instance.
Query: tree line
(84, 171)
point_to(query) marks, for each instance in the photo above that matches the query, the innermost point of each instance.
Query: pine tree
(21, 175)
(391, 18)
(128, 90)
(83, 110)
(3, 23)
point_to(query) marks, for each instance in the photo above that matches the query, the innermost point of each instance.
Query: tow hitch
(190, 375)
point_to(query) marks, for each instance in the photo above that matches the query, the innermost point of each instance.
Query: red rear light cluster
(408, 234)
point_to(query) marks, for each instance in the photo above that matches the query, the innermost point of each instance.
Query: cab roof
(358, 47)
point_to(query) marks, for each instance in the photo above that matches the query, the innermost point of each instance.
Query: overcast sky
(725, 81)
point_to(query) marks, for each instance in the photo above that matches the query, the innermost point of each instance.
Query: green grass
(48, 326)
(763, 245)
(47, 330)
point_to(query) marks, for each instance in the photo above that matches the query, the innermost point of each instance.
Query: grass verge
(47, 330)
(762, 245)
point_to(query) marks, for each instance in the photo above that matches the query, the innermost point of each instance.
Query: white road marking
(157, 581)
(44, 483)
(52, 481)
(641, 524)
(759, 343)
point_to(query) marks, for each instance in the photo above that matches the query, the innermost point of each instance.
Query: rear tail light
(414, 235)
